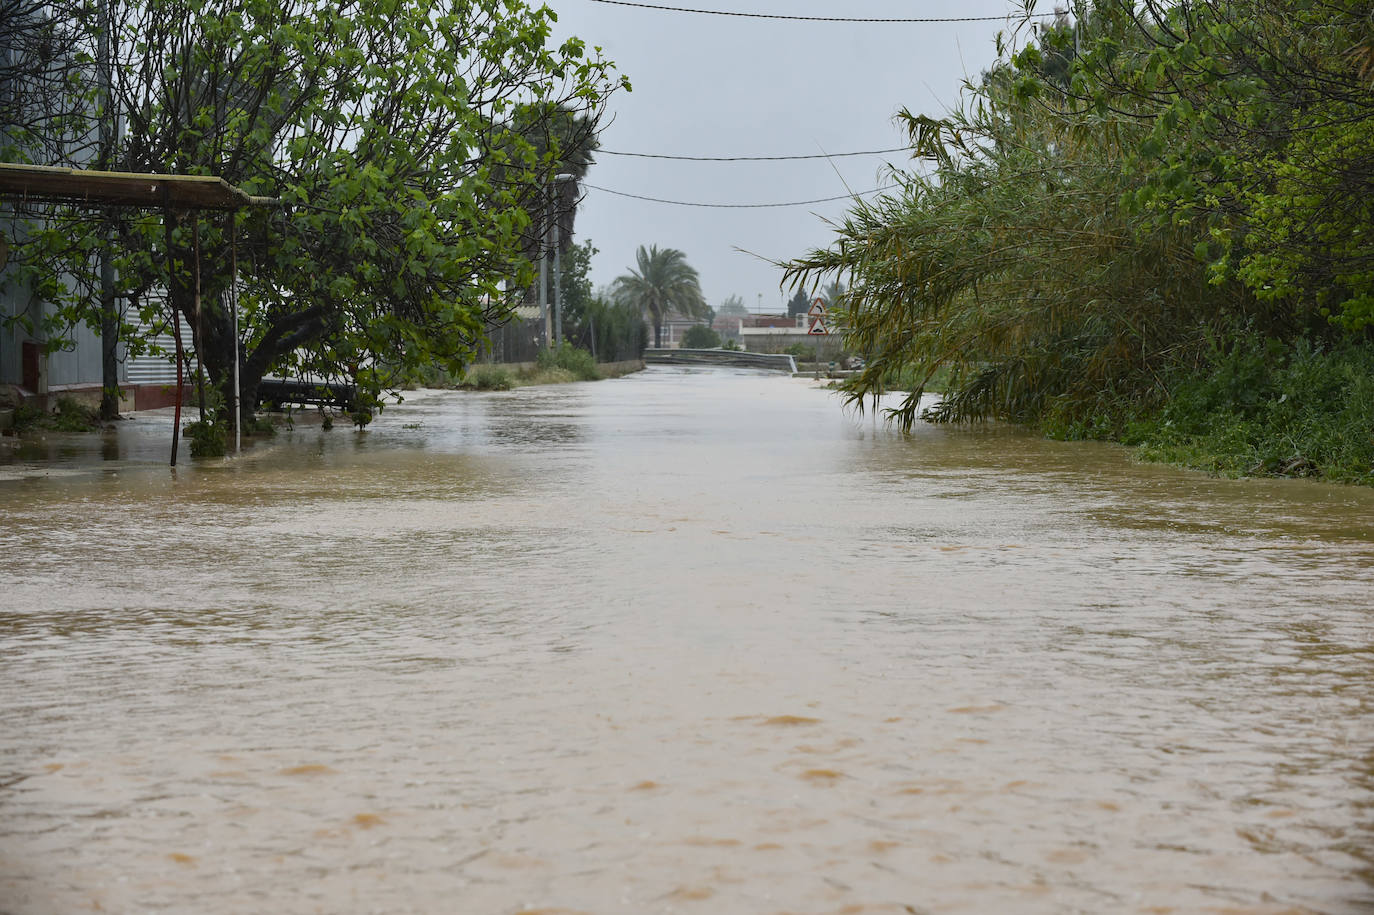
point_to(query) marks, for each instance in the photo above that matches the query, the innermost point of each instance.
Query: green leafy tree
(392, 136)
(1261, 122)
(576, 284)
(615, 331)
(48, 95)
(612, 333)
(1119, 194)
(699, 336)
(662, 282)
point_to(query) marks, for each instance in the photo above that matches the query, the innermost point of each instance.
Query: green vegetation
(1151, 224)
(611, 332)
(553, 366)
(207, 439)
(576, 362)
(699, 336)
(488, 378)
(614, 331)
(67, 416)
(1265, 408)
(408, 145)
(662, 283)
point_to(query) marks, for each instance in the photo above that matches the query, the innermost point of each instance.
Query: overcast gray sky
(728, 86)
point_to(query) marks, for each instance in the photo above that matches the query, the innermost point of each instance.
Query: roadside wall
(828, 346)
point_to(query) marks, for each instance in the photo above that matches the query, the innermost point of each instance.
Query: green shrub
(487, 378)
(72, 416)
(434, 376)
(578, 362)
(1262, 408)
(553, 375)
(68, 416)
(614, 332)
(259, 425)
(207, 439)
(27, 416)
(699, 336)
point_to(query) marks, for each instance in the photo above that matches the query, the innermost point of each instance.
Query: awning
(45, 184)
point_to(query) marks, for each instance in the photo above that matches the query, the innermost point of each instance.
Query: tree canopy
(397, 137)
(661, 283)
(733, 305)
(1120, 192)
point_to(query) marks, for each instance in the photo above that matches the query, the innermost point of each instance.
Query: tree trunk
(109, 338)
(248, 395)
(658, 335)
(285, 334)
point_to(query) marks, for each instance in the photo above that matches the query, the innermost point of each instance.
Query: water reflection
(687, 640)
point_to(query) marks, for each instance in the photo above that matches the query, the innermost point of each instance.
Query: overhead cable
(683, 9)
(738, 206)
(867, 152)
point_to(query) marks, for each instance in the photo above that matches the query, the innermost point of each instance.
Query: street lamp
(557, 264)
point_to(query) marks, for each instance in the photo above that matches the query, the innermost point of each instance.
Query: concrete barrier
(779, 362)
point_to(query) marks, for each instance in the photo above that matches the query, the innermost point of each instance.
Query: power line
(683, 9)
(867, 152)
(737, 206)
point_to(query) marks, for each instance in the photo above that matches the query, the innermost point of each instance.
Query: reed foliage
(1121, 202)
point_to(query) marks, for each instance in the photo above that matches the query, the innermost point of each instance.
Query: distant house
(728, 326)
(761, 328)
(675, 326)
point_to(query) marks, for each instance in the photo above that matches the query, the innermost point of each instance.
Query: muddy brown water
(687, 641)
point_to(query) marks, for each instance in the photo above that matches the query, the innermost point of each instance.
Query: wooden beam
(45, 184)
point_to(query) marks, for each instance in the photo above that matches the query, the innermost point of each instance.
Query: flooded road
(683, 642)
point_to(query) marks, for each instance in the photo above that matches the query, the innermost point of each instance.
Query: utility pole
(557, 263)
(544, 279)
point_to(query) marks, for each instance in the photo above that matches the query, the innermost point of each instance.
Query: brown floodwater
(684, 642)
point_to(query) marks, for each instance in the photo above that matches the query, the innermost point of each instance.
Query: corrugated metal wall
(78, 363)
(12, 302)
(158, 368)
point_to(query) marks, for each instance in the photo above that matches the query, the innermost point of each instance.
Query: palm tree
(547, 140)
(564, 141)
(664, 282)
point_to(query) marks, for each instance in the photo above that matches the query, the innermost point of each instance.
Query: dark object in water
(274, 392)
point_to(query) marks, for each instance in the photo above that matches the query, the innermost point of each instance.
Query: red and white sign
(818, 328)
(817, 309)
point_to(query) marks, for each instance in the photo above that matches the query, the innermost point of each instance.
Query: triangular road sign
(817, 309)
(818, 327)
